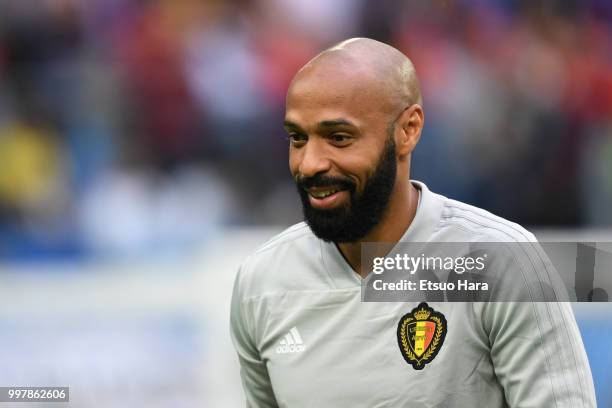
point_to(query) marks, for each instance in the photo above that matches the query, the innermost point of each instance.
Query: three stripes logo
(291, 343)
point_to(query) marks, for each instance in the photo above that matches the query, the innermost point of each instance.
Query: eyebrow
(336, 122)
(322, 124)
(289, 124)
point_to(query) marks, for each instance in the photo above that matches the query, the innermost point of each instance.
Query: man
(303, 336)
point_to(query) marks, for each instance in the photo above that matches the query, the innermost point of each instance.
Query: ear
(408, 129)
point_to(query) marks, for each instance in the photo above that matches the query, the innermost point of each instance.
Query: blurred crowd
(144, 126)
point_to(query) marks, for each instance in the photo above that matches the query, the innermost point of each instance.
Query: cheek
(360, 165)
(294, 162)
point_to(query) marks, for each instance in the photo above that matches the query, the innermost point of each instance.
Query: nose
(313, 159)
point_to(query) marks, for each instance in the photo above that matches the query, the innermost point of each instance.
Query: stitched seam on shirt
(580, 371)
(307, 291)
(548, 363)
(276, 243)
(274, 240)
(508, 224)
(327, 269)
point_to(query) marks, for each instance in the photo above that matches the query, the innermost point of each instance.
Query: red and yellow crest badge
(420, 335)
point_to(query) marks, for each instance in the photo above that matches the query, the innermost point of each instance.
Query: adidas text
(291, 343)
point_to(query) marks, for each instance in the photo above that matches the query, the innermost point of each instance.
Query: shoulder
(481, 224)
(291, 235)
(445, 220)
(515, 258)
(285, 262)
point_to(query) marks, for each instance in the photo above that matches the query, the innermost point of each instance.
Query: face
(342, 157)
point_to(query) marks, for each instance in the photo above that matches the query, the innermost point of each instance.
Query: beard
(354, 220)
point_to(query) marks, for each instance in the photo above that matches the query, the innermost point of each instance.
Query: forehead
(320, 94)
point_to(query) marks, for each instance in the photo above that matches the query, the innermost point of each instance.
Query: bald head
(353, 118)
(361, 94)
(374, 67)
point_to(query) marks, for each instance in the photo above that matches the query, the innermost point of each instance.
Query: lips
(322, 192)
(326, 197)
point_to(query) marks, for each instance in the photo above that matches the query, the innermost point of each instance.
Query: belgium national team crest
(420, 335)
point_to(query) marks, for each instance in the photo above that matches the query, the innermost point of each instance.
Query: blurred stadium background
(142, 157)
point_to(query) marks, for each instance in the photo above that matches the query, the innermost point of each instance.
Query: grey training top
(304, 338)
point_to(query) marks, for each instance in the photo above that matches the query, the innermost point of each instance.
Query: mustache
(320, 180)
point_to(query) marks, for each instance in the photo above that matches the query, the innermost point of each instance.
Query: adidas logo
(291, 343)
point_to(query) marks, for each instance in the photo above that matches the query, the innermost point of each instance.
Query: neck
(391, 228)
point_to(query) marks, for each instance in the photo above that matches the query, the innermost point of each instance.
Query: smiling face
(342, 153)
(353, 117)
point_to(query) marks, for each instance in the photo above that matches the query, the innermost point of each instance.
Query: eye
(297, 139)
(340, 139)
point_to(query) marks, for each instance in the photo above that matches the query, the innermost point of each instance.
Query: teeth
(322, 194)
